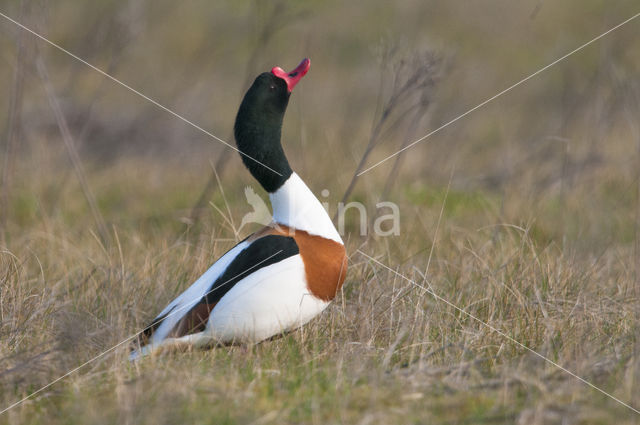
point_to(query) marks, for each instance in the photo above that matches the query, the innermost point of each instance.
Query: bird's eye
(272, 87)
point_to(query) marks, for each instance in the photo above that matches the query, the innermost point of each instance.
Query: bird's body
(278, 278)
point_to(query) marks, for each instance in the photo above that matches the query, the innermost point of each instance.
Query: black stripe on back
(261, 253)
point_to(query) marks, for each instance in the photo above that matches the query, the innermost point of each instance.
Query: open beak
(294, 76)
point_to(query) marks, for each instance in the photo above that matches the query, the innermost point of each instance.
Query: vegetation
(525, 213)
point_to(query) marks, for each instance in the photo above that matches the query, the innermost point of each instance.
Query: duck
(278, 278)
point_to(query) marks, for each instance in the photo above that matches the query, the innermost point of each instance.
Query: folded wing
(189, 312)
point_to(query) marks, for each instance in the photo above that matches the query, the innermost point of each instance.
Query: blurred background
(526, 212)
(382, 75)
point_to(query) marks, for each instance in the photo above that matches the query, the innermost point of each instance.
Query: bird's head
(269, 94)
(258, 124)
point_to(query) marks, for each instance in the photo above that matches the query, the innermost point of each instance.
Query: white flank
(272, 300)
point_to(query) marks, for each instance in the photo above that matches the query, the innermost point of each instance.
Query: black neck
(258, 130)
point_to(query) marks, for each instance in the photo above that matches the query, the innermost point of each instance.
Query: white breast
(294, 205)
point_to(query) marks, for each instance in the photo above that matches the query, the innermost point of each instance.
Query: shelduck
(281, 276)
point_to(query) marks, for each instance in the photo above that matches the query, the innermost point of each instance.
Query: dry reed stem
(13, 129)
(71, 149)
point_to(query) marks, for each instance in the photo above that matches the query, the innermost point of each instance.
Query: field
(510, 295)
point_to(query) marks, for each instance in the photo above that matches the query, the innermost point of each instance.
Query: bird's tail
(196, 340)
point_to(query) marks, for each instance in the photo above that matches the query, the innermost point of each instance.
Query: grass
(384, 352)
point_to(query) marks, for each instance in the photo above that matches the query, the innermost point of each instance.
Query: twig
(631, 110)
(123, 38)
(13, 130)
(71, 149)
(413, 126)
(412, 77)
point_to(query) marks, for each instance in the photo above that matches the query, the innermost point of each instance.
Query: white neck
(294, 205)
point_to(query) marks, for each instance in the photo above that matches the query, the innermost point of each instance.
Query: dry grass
(384, 352)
